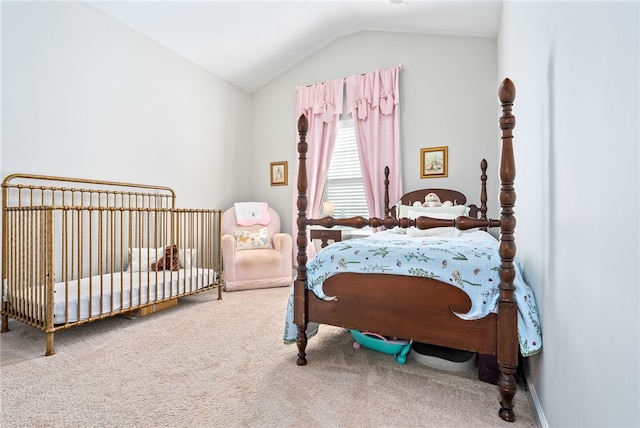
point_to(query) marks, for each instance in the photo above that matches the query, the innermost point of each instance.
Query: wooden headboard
(458, 198)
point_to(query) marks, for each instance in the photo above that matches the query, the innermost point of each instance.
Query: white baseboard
(542, 420)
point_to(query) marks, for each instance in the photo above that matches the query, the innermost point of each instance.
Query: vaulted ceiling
(248, 43)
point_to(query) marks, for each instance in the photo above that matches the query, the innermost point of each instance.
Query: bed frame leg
(50, 350)
(301, 341)
(5, 323)
(507, 387)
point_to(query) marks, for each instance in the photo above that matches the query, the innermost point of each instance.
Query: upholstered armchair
(257, 256)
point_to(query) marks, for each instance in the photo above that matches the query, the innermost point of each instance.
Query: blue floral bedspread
(472, 266)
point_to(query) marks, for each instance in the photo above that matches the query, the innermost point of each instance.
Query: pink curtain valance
(324, 99)
(378, 89)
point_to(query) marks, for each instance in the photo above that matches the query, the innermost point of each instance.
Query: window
(344, 187)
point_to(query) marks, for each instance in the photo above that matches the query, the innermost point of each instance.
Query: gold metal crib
(75, 250)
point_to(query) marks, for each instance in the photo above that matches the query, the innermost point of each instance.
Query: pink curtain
(372, 99)
(322, 104)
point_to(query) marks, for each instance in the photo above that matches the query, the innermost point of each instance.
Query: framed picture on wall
(279, 173)
(433, 162)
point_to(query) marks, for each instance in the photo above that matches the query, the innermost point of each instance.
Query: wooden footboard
(394, 306)
(76, 251)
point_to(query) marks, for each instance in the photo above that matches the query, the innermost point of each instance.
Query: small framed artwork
(433, 162)
(279, 173)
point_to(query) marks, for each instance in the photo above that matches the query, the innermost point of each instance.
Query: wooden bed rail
(461, 222)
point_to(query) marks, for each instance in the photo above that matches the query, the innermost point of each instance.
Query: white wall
(575, 67)
(448, 98)
(84, 96)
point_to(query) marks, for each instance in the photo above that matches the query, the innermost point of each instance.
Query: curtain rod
(400, 67)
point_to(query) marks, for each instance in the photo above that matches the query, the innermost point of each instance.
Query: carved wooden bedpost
(299, 291)
(483, 190)
(387, 210)
(507, 312)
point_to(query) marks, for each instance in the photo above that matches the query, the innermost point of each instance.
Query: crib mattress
(113, 293)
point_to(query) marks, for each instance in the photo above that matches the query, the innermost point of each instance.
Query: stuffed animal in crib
(169, 261)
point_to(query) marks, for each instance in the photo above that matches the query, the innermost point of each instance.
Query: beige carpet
(222, 363)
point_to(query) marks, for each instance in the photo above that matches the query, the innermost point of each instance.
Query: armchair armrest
(229, 255)
(283, 243)
(280, 241)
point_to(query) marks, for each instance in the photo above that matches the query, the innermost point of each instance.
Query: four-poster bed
(421, 308)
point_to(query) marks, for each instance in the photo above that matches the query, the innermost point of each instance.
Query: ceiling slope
(249, 43)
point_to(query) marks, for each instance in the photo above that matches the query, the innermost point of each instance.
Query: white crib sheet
(110, 293)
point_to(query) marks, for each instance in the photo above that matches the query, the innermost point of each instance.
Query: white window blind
(344, 186)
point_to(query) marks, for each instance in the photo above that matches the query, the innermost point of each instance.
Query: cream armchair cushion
(255, 267)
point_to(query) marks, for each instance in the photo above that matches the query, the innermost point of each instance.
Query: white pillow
(140, 259)
(450, 232)
(186, 256)
(251, 240)
(456, 210)
(397, 230)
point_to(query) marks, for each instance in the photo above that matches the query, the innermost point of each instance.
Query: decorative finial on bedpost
(303, 124)
(507, 311)
(300, 284)
(507, 91)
